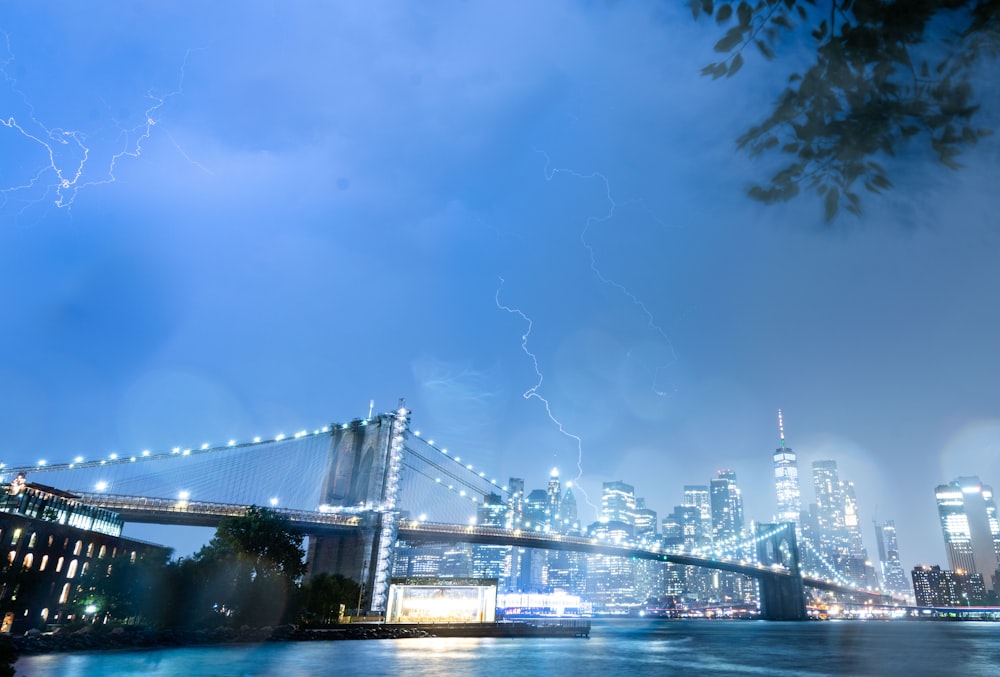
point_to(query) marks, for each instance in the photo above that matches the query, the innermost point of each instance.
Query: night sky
(236, 219)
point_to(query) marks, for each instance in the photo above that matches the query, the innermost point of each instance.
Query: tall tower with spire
(786, 479)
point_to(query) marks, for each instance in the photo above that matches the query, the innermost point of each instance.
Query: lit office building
(618, 503)
(492, 561)
(786, 479)
(969, 523)
(697, 496)
(727, 505)
(645, 522)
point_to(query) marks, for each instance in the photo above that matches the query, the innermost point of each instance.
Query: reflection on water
(615, 647)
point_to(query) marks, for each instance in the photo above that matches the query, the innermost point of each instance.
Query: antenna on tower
(781, 429)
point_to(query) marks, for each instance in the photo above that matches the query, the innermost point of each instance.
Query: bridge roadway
(340, 522)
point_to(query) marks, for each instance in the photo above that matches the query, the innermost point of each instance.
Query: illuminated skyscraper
(554, 492)
(893, 576)
(969, 522)
(697, 496)
(618, 503)
(727, 505)
(786, 479)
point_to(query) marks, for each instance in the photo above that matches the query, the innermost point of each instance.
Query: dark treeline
(249, 574)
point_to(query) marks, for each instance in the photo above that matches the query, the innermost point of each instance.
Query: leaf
(732, 38)
(831, 205)
(724, 13)
(737, 63)
(744, 13)
(766, 51)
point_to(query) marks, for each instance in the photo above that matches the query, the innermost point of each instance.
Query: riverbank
(92, 638)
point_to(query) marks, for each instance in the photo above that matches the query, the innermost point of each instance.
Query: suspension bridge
(357, 488)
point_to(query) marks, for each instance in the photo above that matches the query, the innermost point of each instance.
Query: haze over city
(530, 222)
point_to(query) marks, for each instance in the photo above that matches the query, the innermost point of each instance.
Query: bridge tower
(362, 472)
(782, 597)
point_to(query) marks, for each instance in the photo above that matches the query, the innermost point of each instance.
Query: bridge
(353, 489)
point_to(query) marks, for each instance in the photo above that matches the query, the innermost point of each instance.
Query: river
(615, 647)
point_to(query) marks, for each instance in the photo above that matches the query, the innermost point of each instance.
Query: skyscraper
(727, 505)
(697, 496)
(969, 523)
(786, 479)
(618, 503)
(893, 576)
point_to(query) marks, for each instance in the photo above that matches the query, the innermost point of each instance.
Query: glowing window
(71, 571)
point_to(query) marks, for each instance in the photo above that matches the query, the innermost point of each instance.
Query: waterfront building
(55, 545)
(935, 587)
(786, 479)
(969, 523)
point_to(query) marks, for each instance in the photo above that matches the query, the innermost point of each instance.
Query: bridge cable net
(284, 472)
(440, 487)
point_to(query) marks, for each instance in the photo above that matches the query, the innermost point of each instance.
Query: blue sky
(246, 217)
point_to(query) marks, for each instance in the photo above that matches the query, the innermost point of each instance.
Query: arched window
(28, 560)
(15, 537)
(31, 541)
(78, 548)
(45, 562)
(59, 564)
(83, 571)
(64, 597)
(132, 558)
(90, 550)
(102, 552)
(71, 571)
(45, 614)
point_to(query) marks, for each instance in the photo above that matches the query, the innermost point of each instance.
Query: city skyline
(528, 220)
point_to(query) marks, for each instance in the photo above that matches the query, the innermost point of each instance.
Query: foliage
(886, 72)
(250, 568)
(120, 589)
(321, 597)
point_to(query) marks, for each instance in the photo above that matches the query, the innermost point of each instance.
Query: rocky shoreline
(90, 638)
(86, 639)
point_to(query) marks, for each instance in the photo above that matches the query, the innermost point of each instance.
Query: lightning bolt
(64, 157)
(532, 393)
(592, 222)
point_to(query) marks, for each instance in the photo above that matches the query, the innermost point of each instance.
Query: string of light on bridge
(469, 493)
(831, 569)
(146, 455)
(458, 460)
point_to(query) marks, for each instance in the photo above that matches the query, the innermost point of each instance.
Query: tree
(887, 72)
(321, 597)
(248, 571)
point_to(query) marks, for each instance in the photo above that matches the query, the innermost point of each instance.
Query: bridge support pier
(362, 472)
(782, 598)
